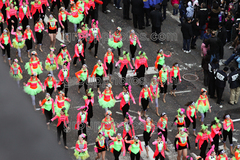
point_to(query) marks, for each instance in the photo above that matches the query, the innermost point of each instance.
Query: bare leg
(179, 154)
(184, 154)
(103, 155)
(54, 40)
(164, 98)
(147, 151)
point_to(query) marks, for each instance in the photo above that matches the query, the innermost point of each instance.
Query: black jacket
(222, 35)
(156, 18)
(221, 78)
(205, 62)
(195, 29)
(137, 6)
(126, 2)
(164, 2)
(187, 30)
(216, 47)
(202, 15)
(233, 79)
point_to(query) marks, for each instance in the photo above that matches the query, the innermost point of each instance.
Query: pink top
(11, 12)
(123, 102)
(45, 2)
(83, 34)
(124, 62)
(77, 52)
(81, 150)
(141, 61)
(61, 118)
(133, 39)
(204, 49)
(145, 124)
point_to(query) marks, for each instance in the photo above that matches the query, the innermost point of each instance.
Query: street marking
(38, 109)
(234, 139)
(234, 120)
(133, 117)
(140, 135)
(175, 17)
(179, 92)
(144, 153)
(132, 111)
(171, 154)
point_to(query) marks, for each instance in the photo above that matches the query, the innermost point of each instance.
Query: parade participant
(3, 5)
(99, 71)
(115, 40)
(106, 99)
(164, 81)
(160, 61)
(18, 41)
(51, 62)
(83, 35)
(79, 53)
(76, 16)
(63, 76)
(108, 126)
(202, 104)
(144, 99)
(63, 55)
(82, 77)
(33, 87)
(12, 17)
(45, 4)
(16, 71)
(175, 78)
(140, 66)
(160, 147)
(155, 92)
(24, 14)
(135, 147)
(216, 128)
(180, 118)
(39, 28)
(62, 18)
(47, 105)
(50, 84)
(1, 20)
(162, 127)
(203, 137)
(221, 78)
(149, 128)
(52, 30)
(61, 102)
(117, 146)
(82, 123)
(228, 128)
(36, 10)
(128, 128)
(91, 9)
(101, 146)
(182, 143)
(191, 116)
(5, 45)
(222, 155)
(236, 152)
(34, 65)
(28, 36)
(211, 155)
(125, 60)
(81, 150)
(125, 96)
(108, 63)
(133, 38)
(55, 3)
(95, 34)
(61, 126)
(89, 100)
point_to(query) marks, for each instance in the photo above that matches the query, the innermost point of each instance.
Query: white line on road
(175, 17)
(144, 153)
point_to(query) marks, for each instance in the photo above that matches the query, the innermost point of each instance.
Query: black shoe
(128, 18)
(230, 103)
(222, 100)
(219, 103)
(213, 97)
(192, 47)
(142, 28)
(147, 25)
(180, 24)
(105, 12)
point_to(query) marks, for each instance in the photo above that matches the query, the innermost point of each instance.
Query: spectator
(126, 7)
(153, 3)
(222, 35)
(213, 20)
(190, 10)
(138, 14)
(202, 15)
(235, 55)
(104, 6)
(163, 7)
(204, 49)
(182, 11)
(234, 86)
(207, 35)
(228, 25)
(212, 69)
(187, 35)
(205, 61)
(175, 4)
(221, 78)
(146, 9)
(117, 4)
(196, 32)
(156, 19)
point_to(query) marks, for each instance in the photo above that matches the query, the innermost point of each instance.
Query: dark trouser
(141, 74)
(59, 130)
(164, 7)
(36, 16)
(99, 80)
(44, 11)
(81, 58)
(104, 5)
(64, 86)
(203, 149)
(117, 3)
(109, 68)
(50, 90)
(66, 3)
(211, 85)
(124, 73)
(90, 113)
(126, 8)
(96, 11)
(155, 31)
(146, 137)
(229, 32)
(164, 88)
(116, 154)
(133, 50)
(91, 12)
(4, 11)
(119, 51)
(54, 4)
(219, 94)
(6, 48)
(48, 115)
(144, 103)
(25, 23)
(186, 44)
(193, 42)
(227, 134)
(81, 83)
(216, 142)
(164, 133)
(206, 79)
(132, 155)
(94, 43)
(147, 14)
(230, 59)
(84, 45)
(82, 129)
(15, 24)
(39, 37)
(188, 122)
(175, 82)
(1, 25)
(159, 156)
(125, 109)
(138, 20)
(159, 67)
(128, 138)
(65, 24)
(28, 43)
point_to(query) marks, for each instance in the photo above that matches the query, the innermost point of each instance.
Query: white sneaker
(120, 8)
(113, 5)
(108, 11)
(230, 47)
(184, 50)
(189, 51)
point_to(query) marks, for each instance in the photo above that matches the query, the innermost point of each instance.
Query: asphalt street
(187, 90)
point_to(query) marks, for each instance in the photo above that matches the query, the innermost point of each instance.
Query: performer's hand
(152, 102)
(12, 21)
(139, 113)
(40, 102)
(195, 147)
(126, 138)
(139, 104)
(48, 123)
(24, 83)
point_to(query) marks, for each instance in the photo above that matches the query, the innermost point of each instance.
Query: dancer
(61, 102)
(140, 66)
(203, 137)
(115, 40)
(76, 16)
(228, 128)
(89, 100)
(34, 65)
(61, 125)
(18, 41)
(149, 128)
(144, 99)
(175, 78)
(82, 123)
(95, 34)
(83, 35)
(63, 55)
(162, 127)
(12, 17)
(236, 151)
(55, 3)
(63, 76)
(81, 150)
(101, 146)
(128, 128)
(36, 10)
(108, 63)
(3, 6)
(82, 77)
(211, 155)
(164, 81)
(160, 61)
(106, 99)
(182, 143)
(24, 15)
(108, 126)
(222, 155)
(33, 87)
(62, 18)
(39, 28)
(28, 36)
(47, 106)
(203, 105)
(180, 118)
(79, 53)
(1, 19)
(45, 4)
(50, 84)
(191, 116)
(52, 30)
(51, 62)
(117, 146)
(133, 38)
(216, 128)
(155, 92)
(16, 71)
(5, 45)
(125, 96)
(160, 147)
(135, 147)
(99, 71)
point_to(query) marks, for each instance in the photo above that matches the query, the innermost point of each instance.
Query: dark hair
(225, 115)
(189, 103)
(174, 64)
(232, 69)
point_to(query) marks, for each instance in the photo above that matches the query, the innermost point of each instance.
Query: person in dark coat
(205, 62)
(202, 15)
(222, 35)
(182, 11)
(196, 32)
(163, 6)
(156, 20)
(221, 78)
(138, 13)
(187, 35)
(229, 25)
(213, 21)
(126, 7)
(104, 6)
(234, 86)
(146, 9)
(212, 69)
